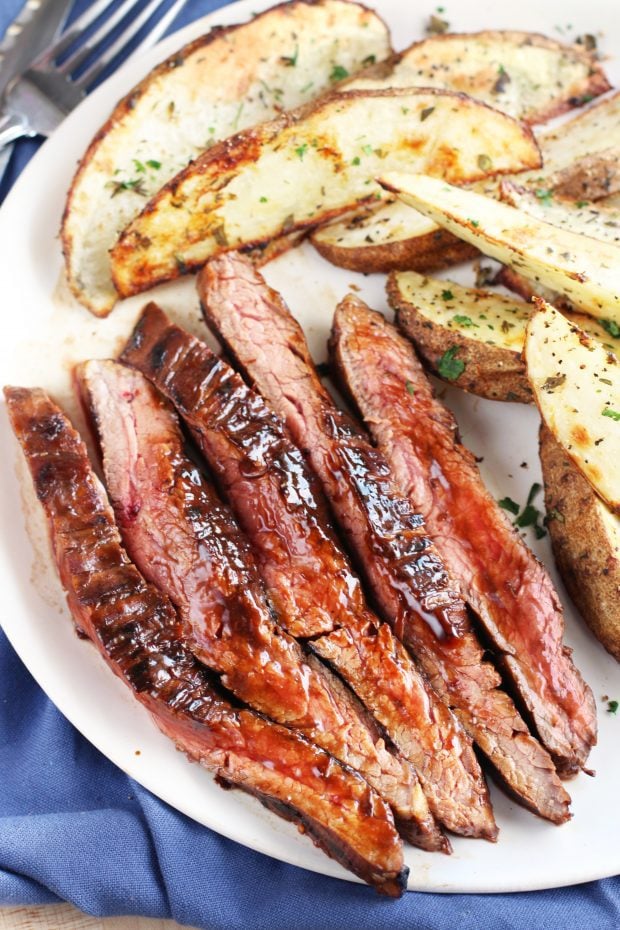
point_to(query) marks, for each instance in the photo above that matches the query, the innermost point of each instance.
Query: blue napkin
(73, 827)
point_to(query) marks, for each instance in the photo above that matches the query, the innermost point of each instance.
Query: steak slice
(505, 584)
(232, 424)
(377, 518)
(186, 542)
(139, 635)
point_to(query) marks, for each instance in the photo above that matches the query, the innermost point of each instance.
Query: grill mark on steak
(138, 633)
(185, 541)
(506, 586)
(224, 414)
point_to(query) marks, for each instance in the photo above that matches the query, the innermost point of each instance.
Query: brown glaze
(501, 579)
(140, 636)
(275, 500)
(184, 540)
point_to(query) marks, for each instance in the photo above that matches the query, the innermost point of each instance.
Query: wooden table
(67, 917)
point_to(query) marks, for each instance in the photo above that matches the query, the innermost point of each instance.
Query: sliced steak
(507, 587)
(140, 636)
(378, 520)
(185, 541)
(247, 445)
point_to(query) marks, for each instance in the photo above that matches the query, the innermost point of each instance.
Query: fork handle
(12, 127)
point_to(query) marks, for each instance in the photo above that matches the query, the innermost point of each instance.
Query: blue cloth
(73, 827)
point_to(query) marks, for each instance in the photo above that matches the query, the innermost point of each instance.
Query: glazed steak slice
(505, 584)
(139, 635)
(377, 518)
(246, 444)
(184, 540)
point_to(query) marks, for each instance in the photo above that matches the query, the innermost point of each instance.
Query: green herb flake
(425, 113)
(612, 707)
(544, 195)
(612, 414)
(410, 388)
(447, 295)
(301, 150)
(507, 503)
(290, 60)
(155, 165)
(367, 149)
(611, 327)
(450, 367)
(262, 200)
(463, 320)
(553, 382)
(338, 73)
(582, 203)
(369, 60)
(474, 223)
(356, 161)
(534, 492)
(139, 166)
(528, 516)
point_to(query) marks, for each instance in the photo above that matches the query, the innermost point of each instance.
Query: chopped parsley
(152, 163)
(582, 203)
(135, 184)
(367, 149)
(447, 295)
(612, 707)
(300, 151)
(553, 382)
(290, 60)
(612, 414)
(450, 367)
(507, 503)
(474, 223)
(356, 160)
(262, 199)
(369, 60)
(425, 113)
(545, 196)
(410, 388)
(611, 327)
(463, 320)
(338, 73)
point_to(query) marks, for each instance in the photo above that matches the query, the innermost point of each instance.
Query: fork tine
(73, 32)
(93, 72)
(83, 51)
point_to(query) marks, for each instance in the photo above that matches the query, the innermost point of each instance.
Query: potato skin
(581, 546)
(490, 371)
(431, 252)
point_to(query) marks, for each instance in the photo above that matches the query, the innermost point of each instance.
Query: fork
(37, 101)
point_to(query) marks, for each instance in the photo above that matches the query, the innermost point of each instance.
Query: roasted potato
(585, 537)
(526, 75)
(581, 268)
(217, 85)
(580, 159)
(576, 385)
(390, 239)
(482, 331)
(306, 166)
(581, 216)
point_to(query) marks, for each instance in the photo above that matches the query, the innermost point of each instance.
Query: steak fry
(186, 542)
(376, 518)
(507, 587)
(140, 637)
(222, 411)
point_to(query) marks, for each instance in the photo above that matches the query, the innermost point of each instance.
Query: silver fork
(38, 100)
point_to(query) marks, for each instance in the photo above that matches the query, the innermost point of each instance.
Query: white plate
(45, 332)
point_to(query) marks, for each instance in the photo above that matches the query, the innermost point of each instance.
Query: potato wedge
(305, 167)
(380, 240)
(581, 159)
(584, 269)
(585, 537)
(526, 75)
(221, 83)
(576, 384)
(581, 216)
(484, 332)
